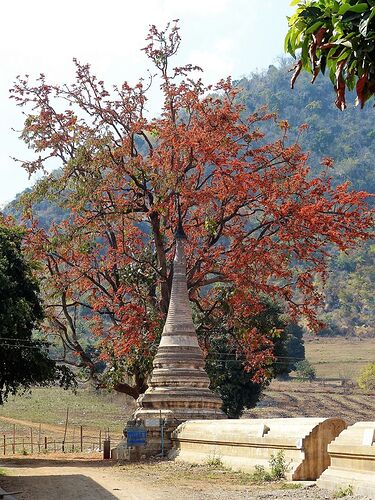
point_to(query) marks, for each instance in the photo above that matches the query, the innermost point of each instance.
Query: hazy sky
(224, 37)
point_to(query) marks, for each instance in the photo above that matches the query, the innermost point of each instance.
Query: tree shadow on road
(55, 487)
(27, 462)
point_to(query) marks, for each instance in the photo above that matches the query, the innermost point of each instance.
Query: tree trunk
(135, 390)
(162, 261)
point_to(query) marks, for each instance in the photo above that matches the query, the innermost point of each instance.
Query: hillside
(348, 138)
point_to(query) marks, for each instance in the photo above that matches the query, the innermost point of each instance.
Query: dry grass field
(314, 399)
(337, 362)
(42, 415)
(339, 358)
(88, 407)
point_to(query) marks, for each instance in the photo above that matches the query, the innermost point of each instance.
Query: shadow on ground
(53, 487)
(23, 462)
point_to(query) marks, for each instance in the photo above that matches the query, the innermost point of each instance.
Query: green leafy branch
(335, 37)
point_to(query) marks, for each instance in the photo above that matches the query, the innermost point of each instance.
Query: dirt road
(93, 479)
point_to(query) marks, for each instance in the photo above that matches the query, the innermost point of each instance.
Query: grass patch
(3, 472)
(260, 475)
(344, 491)
(291, 486)
(90, 408)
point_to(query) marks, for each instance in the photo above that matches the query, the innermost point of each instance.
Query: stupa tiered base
(179, 387)
(176, 406)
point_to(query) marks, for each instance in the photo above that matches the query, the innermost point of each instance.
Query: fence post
(31, 440)
(45, 443)
(73, 438)
(107, 448)
(100, 440)
(4, 444)
(39, 436)
(81, 438)
(66, 428)
(14, 439)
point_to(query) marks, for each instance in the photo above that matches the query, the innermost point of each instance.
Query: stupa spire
(179, 386)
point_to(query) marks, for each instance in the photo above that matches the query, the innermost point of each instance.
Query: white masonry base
(243, 444)
(352, 456)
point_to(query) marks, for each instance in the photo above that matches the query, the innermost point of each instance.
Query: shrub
(305, 370)
(260, 475)
(344, 491)
(278, 471)
(214, 461)
(366, 379)
(278, 465)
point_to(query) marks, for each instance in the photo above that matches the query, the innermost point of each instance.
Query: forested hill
(348, 137)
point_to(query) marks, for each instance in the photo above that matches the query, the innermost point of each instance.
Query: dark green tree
(225, 363)
(228, 378)
(294, 346)
(24, 361)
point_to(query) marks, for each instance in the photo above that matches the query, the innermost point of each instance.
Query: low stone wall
(352, 456)
(243, 444)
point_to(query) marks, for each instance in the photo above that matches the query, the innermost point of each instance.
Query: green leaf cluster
(336, 37)
(305, 370)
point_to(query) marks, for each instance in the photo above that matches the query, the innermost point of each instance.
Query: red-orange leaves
(257, 223)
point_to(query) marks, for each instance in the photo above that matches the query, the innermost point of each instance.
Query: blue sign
(136, 436)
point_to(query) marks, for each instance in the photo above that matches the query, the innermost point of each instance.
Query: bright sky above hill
(224, 37)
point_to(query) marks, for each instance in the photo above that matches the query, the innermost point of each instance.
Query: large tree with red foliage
(258, 225)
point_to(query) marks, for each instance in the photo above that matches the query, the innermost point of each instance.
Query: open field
(314, 399)
(338, 360)
(41, 416)
(94, 409)
(339, 357)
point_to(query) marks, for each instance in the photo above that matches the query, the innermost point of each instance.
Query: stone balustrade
(244, 443)
(352, 456)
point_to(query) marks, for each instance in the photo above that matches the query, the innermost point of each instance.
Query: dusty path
(35, 425)
(70, 481)
(93, 479)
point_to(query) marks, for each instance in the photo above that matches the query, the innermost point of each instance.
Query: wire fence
(35, 441)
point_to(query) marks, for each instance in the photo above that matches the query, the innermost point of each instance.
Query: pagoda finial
(180, 233)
